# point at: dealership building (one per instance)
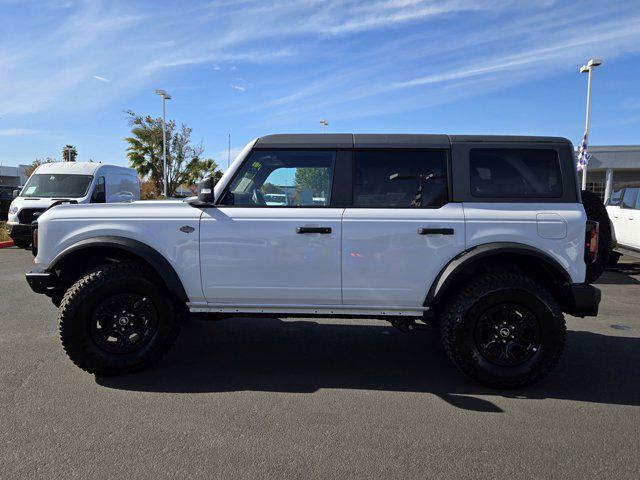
(12, 176)
(612, 167)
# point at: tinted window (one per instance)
(515, 173)
(283, 179)
(400, 178)
(629, 198)
(615, 198)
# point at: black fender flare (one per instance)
(155, 259)
(449, 273)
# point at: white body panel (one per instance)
(625, 223)
(155, 223)
(557, 229)
(384, 259)
(255, 256)
(121, 185)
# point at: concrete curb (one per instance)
(6, 244)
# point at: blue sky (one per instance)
(69, 70)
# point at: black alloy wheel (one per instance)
(123, 323)
(507, 335)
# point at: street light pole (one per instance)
(165, 96)
(588, 68)
(324, 124)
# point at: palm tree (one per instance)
(145, 146)
(69, 153)
(184, 162)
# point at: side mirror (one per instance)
(16, 192)
(205, 191)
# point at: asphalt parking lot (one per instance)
(266, 398)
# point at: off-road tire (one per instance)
(459, 319)
(83, 297)
(595, 210)
(23, 244)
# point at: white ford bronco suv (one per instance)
(482, 236)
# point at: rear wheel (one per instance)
(503, 330)
(595, 210)
(114, 320)
(24, 244)
(614, 258)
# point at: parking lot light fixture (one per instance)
(165, 96)
(588, 68)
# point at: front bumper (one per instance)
(19, 231)
(582, 300)
(42, 281)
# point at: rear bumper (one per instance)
(19, 231)
(583, 300)
(42, 281)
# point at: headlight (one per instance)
(13, 209)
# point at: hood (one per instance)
(35, 202)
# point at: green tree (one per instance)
(314, 179)
(69, 153)
(35, 164)
(271, 188)
(184, 162)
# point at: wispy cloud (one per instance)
(17, 132)
(352, 57)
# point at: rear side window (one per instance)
(629, 198)
(400, 178)
(515, 173)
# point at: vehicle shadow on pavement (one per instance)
(621, 274)
(268, 354)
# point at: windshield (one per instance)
(58, 185)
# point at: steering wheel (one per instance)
(258, 198)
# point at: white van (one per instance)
(80, 182)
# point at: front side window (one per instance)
(284, 178)
(615, 198)
(515, 173)
(57, 185)
(400, 178)
(630, 197)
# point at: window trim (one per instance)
(449, 183)
(225, 192)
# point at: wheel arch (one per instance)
(85, 254)
(502, 256)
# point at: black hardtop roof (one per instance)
(383, 140)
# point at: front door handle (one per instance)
(435, 231)
(323, 230)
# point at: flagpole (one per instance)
(586, 128)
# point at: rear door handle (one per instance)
(435, 231)
(323, 230)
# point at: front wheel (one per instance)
(503, 330)
(114, 320)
